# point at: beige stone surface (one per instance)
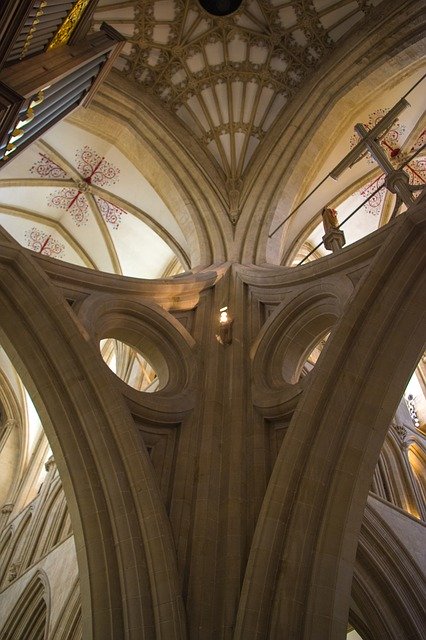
(233, 502)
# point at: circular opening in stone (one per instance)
(313, 356)
(220, 7)
(130, 365)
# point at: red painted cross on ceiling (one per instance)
(94, 170)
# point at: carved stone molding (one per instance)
(50, 464)
(13, 571)
(7, 508)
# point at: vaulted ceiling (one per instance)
(73, 196)
(124, 186)
(228, 78)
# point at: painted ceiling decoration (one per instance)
(228, 78)
(73, 196)
(380, 203)
(93, 170)
(402, 144)
(391, 142)
(44, 167)
(375, 189)
(391, 138)
(374, 205)
(416, 168)
(41, 242)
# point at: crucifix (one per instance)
(397, 181)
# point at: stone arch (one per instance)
(46, 526)
(157, 335)
(17, 543)
(396, 477)
(281, 166)
(4, 544)
(289, 335)
(332, 446)
(13, 442)
(88, 426)
(29, 618)
(388, 588)
(61, 528)
(417, 460)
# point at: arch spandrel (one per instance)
(294, 328)
(31, 614)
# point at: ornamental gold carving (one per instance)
(67, 27)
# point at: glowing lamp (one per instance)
(223, 317)
(225, 327)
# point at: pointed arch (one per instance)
(388, 587)
(29, 618)
(321, 479)
(48, 526)
(394, 479)
(17, 541)
(417, 459)
(275, 177)
(13, 440)
(4, 544)
(69, 625)
(181, 172)
(90, 429)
